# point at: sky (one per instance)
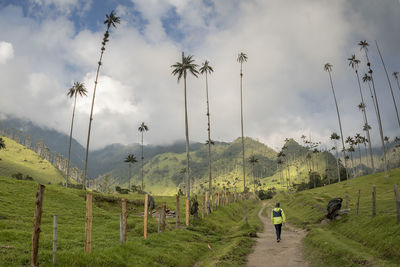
(47, 45)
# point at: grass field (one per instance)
(224, 230)
(16, 158)
(355, 239)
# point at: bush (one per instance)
(266, 194)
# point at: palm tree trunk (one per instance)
(129, 180)
(366, 122)
(209, 140)
(187, 140)
(241, 120)
(340, 124)
(91, 119)
(142, 163)
(379, 120)
(390, 85)
(70, 142)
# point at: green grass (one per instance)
(224, 230)
(19, 159)
(355, 239)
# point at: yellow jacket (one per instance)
(277, 216)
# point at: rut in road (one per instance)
(267, 252)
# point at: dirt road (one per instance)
(267, 252)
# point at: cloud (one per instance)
(6, 52)
(285, 91)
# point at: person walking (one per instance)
(278, 218)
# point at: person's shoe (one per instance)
(278, 240)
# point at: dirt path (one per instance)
(268, 252)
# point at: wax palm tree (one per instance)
(2, 144)
(335, 137)
(130, 159)
(253, 160)
(328, 68)
(207, 69)
(390, 84)
(350, 141)
(142, 128)
(181, 69)
(242, 57)
(396, 77)
(364, 46)
(353, 62)
(77, 89)
(358, 141)
(111, 20)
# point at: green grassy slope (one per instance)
(225, 231)
(17, 158)
(355, 239)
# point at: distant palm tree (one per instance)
(142, 128)
(350, 141)
(2, 144)
(390, 84)
(111, 20)
(387, 139)
(253, 160)
(130, 159)
(77, 89)
(328, 68)
(358, 141)
(353, 62)
(364, 46)
(181, 69)
(335, 137)
(207, 69)
(242, 57)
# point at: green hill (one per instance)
(16, 158)
(355, 239)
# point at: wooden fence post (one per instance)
(203, 208)
(37, 218)
(146, 203)
(121, 231)
(88, 224)
(54, 240)
(396, 195)
(177, 212)
(124, 220)
(373, 201)
(358, 201)
(187, 212)
(163, 216)
(245, 214)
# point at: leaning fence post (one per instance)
(163, 216)
(396, 195)
(358, 201)
(88, 224)
(373, 201)
(177, 212)
(37, 218)
(54, 240)
(146, 203)
(245, 214)
(124, 220)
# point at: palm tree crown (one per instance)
(111, 20)
(364, 45)
(242, 57)
(328, 67)
(130, 159)
(181, 68)
(396, 75)
(206, 68)
(143, 127)
(353, 62)
(77, 89)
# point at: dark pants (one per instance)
(278, 229)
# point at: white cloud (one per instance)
(6, 52)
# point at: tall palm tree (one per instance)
(142, 128)
(390, 84)
(111, 20)
(207, 69)
(242, 57)
(77, 89)
(181, 69)
(328, 68)
(396, 77)
(335, 137)
(353, 62)
(253, 160)
(130, 159)
(364, 46)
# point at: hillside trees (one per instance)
(207, 69)
(2, 144)
(77, 89)
(335, 137)
(142, 128)
(111, 20)
(242, 57)
(181, 69)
